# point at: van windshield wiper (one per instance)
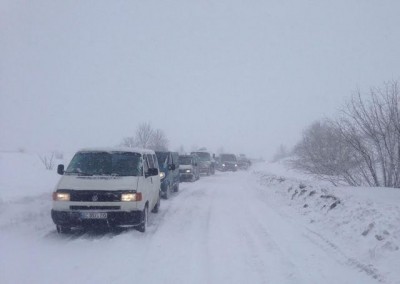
(78, 173)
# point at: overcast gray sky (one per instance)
(243, 75)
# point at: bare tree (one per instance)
(144, 134)
(128, 142)
(372, 126)
(323, 152)
(146, 137)
(159, 141)
(362, 146)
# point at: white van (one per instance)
(113, 187)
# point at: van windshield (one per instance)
(106, 163)
(185, 160)
(228, 158)
(203, 156)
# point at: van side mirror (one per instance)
(152, 172)
(172, 167)
(60, 169)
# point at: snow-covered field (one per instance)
(266, 225)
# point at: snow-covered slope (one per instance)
(229, 228)
(362, 223)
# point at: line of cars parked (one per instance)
(118, 187)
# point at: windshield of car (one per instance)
(203, 156)
(228, 158)
(105, 163)
(185, 160)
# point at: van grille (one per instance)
(94, 195)
(74, 207)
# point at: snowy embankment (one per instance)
(360, 223)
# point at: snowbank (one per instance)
(361, 223)
(23, 175)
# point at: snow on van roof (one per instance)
(117, 149)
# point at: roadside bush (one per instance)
(361, 147)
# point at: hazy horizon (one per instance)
(247, 76)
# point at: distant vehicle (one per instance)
(169, 172)
(243, 162)
(228, 162)
(107, 187)
(189, 168)
(206, 161)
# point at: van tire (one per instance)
(167, 193)
(143, 220)
(63, 229)
(157, 206)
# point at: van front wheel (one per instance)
(157, 206)
(167, 193)
(143, 220)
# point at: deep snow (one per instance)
(229, 228)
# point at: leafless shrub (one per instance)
(323, 152)
(48, 160)
(159, 141)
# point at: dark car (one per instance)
(169, 172)
(189, 168)
(243, 162)
(227, 162)
(206, 162)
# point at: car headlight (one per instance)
(162, 175)
(223, 165)
(188, 171)
(61, 196)
(126, 197)
(235, 165)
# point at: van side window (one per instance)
(145, 163)
(150, 160)
(155, 161)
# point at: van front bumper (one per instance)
(114, 219)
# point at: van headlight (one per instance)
(126, 197)
(61, 196)
(188, 171)
(162, 175)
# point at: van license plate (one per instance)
(94, 215)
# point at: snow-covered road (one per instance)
(221, 229)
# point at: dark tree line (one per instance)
(361, 146)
